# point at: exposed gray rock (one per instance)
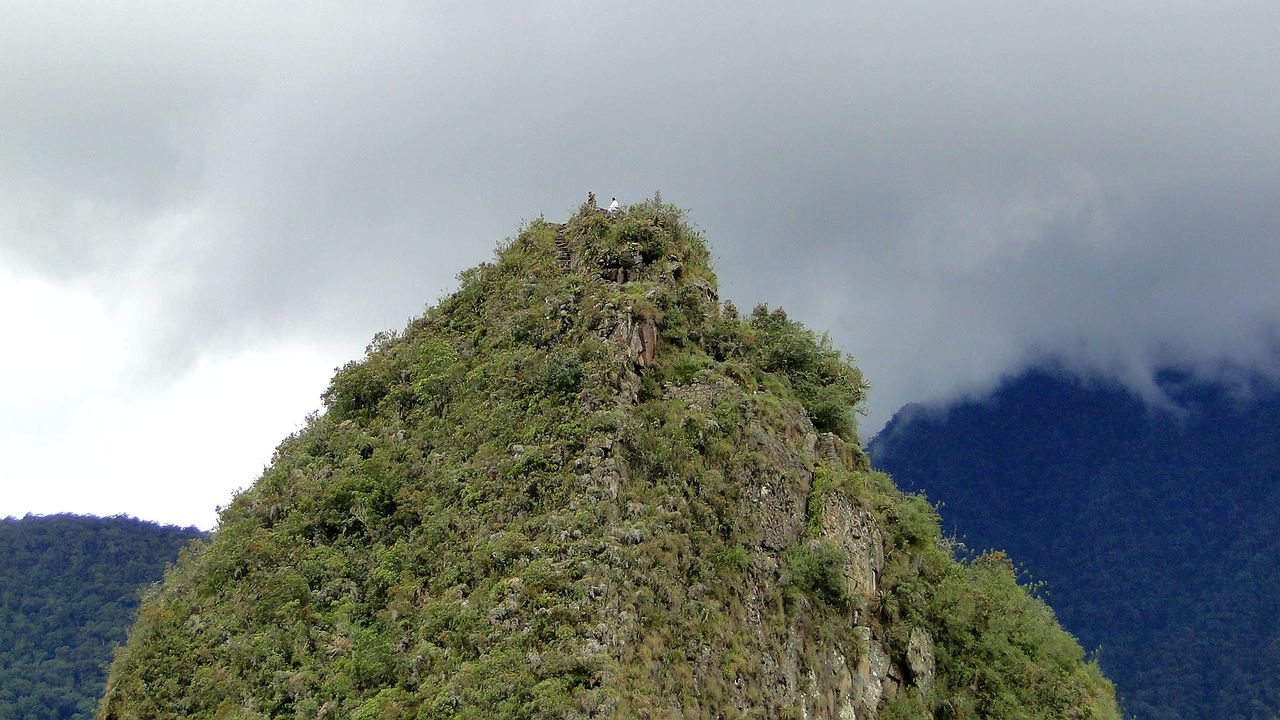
(920, 658)
(853, 529)
(871, 672)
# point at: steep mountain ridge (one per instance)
(581, 487)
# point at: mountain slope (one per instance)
(1153, 531)
(580, 487)
(69, 586)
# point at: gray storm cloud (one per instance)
(954, 191)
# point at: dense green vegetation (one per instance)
(582, 487)
(69, 587)
(1153, 531)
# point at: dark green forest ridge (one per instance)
(1155, 533)
(582, 487)
(69, 587)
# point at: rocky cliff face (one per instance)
(582, 487)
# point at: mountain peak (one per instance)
(583, 487)
(645, 242)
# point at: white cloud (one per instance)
(82, 432)
(952, 191)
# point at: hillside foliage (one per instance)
(554, 495)
(69, 587)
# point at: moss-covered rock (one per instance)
(581, 487)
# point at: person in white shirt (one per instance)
(614, 208)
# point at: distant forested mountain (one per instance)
(69, 587)
(1155, 532)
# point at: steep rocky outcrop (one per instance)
(582, 487)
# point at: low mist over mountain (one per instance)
(1154, 529)
(225, 200)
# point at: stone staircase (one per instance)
(564, 256)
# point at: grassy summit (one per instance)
(581, 487)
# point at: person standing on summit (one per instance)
(614, 208)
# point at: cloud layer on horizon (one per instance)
(953, 192)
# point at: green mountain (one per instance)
(1154, 531)
(69, 587)
(583, 487)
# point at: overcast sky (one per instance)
(205, 208)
